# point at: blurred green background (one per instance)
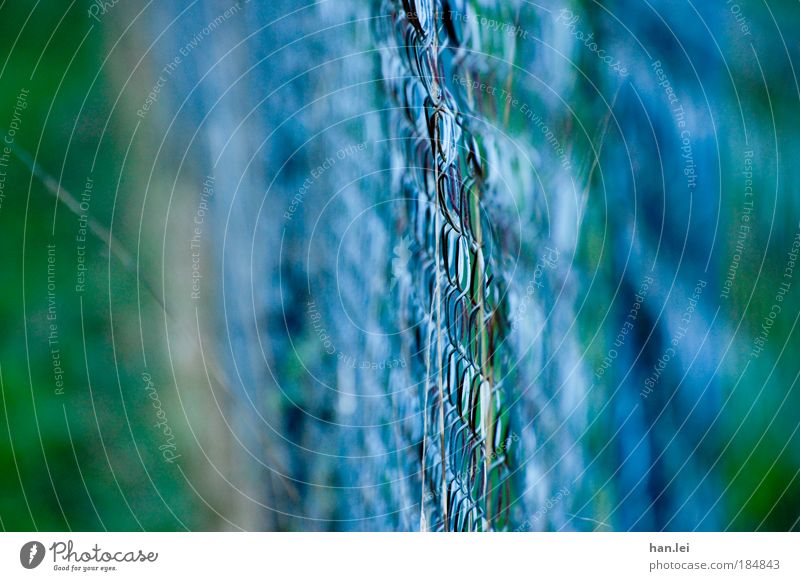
(84, 456)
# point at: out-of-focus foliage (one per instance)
(79, 449)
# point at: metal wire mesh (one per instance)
(455, 295)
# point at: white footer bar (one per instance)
(408, 556)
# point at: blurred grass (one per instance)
(87, 459)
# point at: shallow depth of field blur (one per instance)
(188, 345)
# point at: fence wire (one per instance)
(455, 293)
